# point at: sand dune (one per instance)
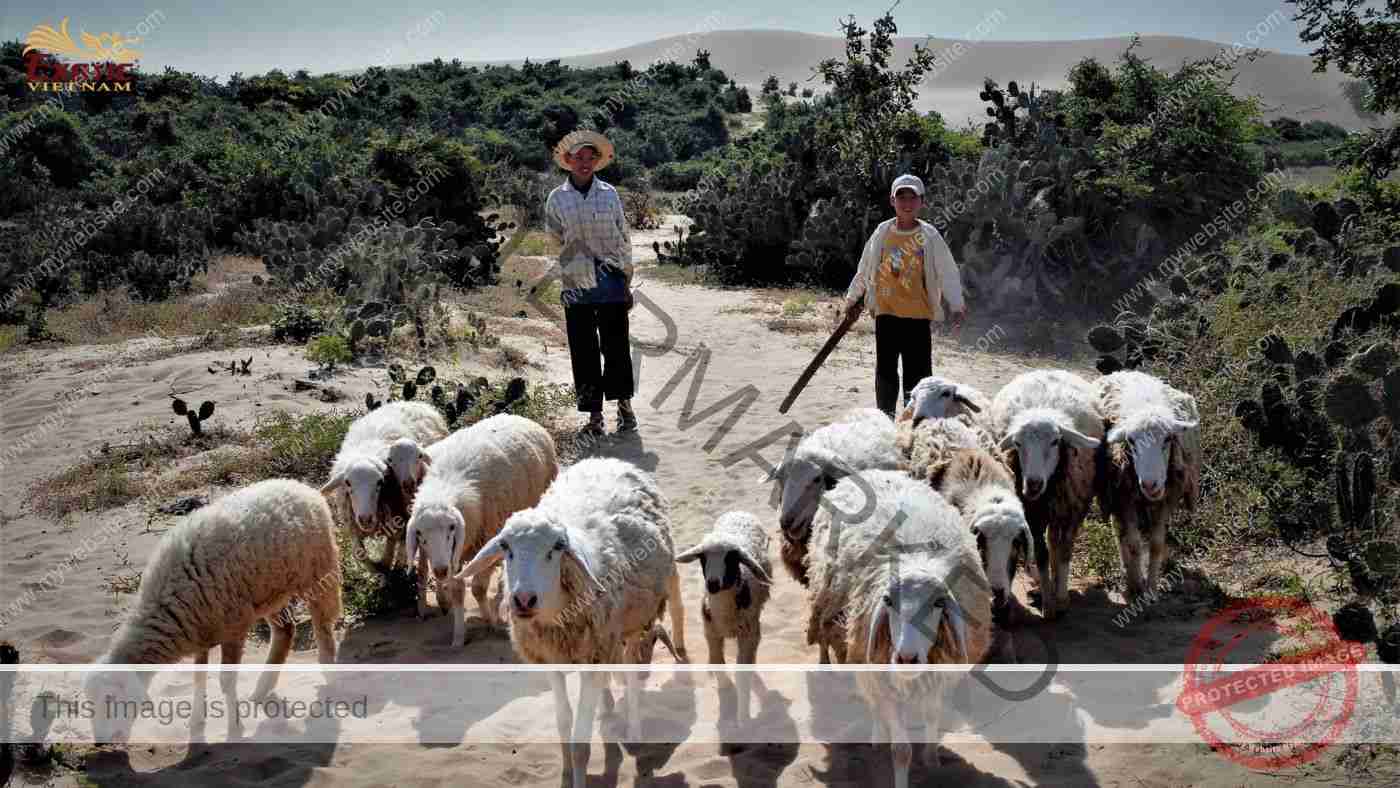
(1285, 83)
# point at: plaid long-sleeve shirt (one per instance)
(591, 228)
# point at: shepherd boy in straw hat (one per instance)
(905, 271)
(584, 214)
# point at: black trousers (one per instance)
(899, 338)
(592, 328)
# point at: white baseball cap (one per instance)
(907, 181)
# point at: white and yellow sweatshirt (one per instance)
(895, 276)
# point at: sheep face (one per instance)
(1038, 440)
(920, 620)
(409, 464)
(362, 481)
(110, 691)
(1003, 537)
(1148, 437)
(440, 531)
(936, 398)
(535, 548)
(720, 564)
(803, 482)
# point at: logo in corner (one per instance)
(100, 64)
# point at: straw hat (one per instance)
(580, 138)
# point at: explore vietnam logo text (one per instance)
(103, 63)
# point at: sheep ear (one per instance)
(459, 537)
(485, 558)
(748, 560)
(583, 555)
(1078, 439)
(967, 403)
(691, 555)
(332, 483)
(872, 636)
(957, 625)
(659, 632)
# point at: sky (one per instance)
(331, 35)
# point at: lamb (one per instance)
(477, 478)
(862, 439)
(905, 587)
(377, 470)
(590, 569)
(1048, 425)
(734, 559)
(1151, 466)
(241, 558)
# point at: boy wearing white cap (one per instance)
(905, 271)
(584, 214)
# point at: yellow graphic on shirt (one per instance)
(899, 280)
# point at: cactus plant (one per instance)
(196, 419)
(1355, 623)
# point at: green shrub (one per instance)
(329, 350)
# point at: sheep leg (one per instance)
(677, 608)
(634, 706)
(563, 717)
(838, 650)
(1130, 549)
(456, 593)
(715, 642)
(231, 653)
(325, 608)
(1064, 550)
(1042, 573)
(282, 631)
(423, 575)
(825, 655)
(481, 583)
(201, 697)
(901, 751)
(1157, 551)
(748, 655)
(933, 717)
(589, 686)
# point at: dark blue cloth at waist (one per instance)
(610, 288)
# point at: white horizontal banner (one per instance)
(437, 704)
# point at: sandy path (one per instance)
(688, 458)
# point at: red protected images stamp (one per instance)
(1272, 735)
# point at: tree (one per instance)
(792, 89)
(1362, 41)
(770, 85)
(702, 59)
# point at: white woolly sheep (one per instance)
(381, 461)
(733, 557)
(905, 587)
(589, 570)
(1048, 426)
(980, 486)
(862, 439)
(940, 398)
(477, 478)
(1152, 466)
(934, 439)
(239, 559)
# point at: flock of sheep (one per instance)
(963, 487)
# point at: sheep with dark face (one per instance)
(1152, 466)
(734, 559)
(1048, 425)
(863, 439)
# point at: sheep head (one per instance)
(547, 562)
(805, 477)
(112, 690)
(409, 463)
(440, 531)
(1003, 536)
(1039, 436)
(362, 480)
(937, 398)
(917, 620)
(720, 562)
(1148, 435)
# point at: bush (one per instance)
(329, 350)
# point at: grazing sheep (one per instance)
(1048, 425)
(241, 558)
(905, 587)
(734, 559)
(1152, 466)
(590, 569)
(379, 466)
(862, 439)
(980, 486)
(477, 478)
